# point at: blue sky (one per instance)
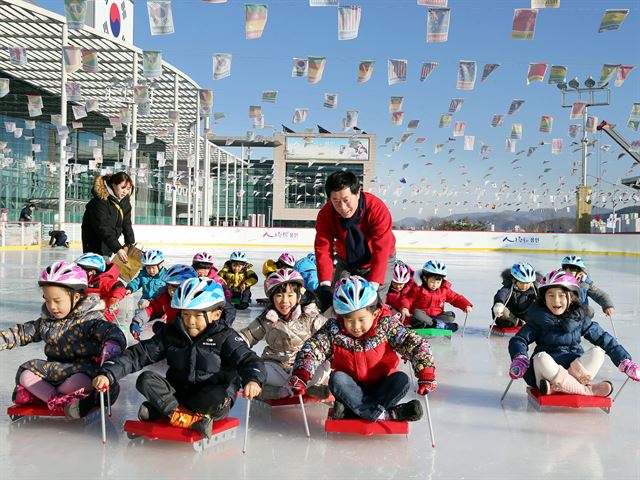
(480, 31)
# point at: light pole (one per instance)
(590, 91)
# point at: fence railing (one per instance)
(20, 234)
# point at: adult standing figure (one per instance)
(107, 216)
(353, 233)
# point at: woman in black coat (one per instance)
(108, 215)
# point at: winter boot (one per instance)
(270, 392)
(148, 413)
(319, 391)
(406, 412)
(602, 389)
(545, 387)
(183, 418)
(222, 411)
(22, 396)
(563, 382)
(60, 401)
(453, 326)
(577, 371)
(339, 410)
(204, 426)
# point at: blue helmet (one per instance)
(574, 261)
(198, 294)
(92, 261)
(435, 267)
(177, 274)
(353, 293)
(523, 272)
(238, 256)
(152, 257)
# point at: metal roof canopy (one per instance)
(40, 32)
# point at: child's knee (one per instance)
(545, 365)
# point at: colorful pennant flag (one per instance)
(438, 24)
(330, 100)
(76, 12)
(433, 3)
(35, 102)
(365, 69)
(206, 102)
(351, 119)
(79, 112)
(445, 120)
(427, 69)
(607, 73)
(221, 65)
(577, 110)
(545, 3)
(348, 22)
(74, 92)
(497, 121)
(396, 71)
(255, 20)
(397, 118)
(4, 87)
(524, 23)
(536, 72)
(72, 58)
(516, 131)
(456, 105)
(592, 123)
(556, 146)
(151, 63)
(255, 111)
(469, 142)
(546, 123)
(92, 105)
(557, 74)
(396, 104)
(413, 124)
(89, 60)
(515, 106)
(300, 67)
(438, 148)
(269, 96)
(612, 19)
(633, 125)
(488, 69)
(466, 75)
(300, 115)
(160, 17)
(258, 122)
(510, 145)
(623, 73)
(316, 69)
(635, 111)
(18, 55)
(574, 130)
(140, 94)
(324, 3)
(458, 128)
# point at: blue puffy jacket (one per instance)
(150, 285)
(560, 336)
(307, 268)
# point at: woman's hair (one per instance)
(282, 288)
(118, 178)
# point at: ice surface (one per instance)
(476, 436)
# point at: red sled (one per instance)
(569, 400)
(222, 431)
(359, 426)
(17, 412)
(502, 331)
(289, 401)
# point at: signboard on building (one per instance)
(112, 17)
(326, 148)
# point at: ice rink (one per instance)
(477, 437)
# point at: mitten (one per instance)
(498, 310)
(427, 381)
(630, 367)
(297, 386)
(519, 367)
(325, 296)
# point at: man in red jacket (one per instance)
(353, 233)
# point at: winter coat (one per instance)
(26, 214)
(234, 280)
(516, 301)
(284, 337)
(410, 290)
(269, 267)
(215, 356)
(432, 303)
(105, 219)
(150, 285)
(589, 289)
(108, 285)
(72, 345)
(307, 268)
(331, 238)
(367, 359)
(560, 337)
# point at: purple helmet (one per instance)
(279, 277)
(64, 274)
(203, 257)
(288, 259)
(401, 272)
(559, 278)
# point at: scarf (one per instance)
(358, 253)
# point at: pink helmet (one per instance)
(401, 272)
(288, 259)
(203, 257)
(279, 277)
(559, 278)
(65, 274)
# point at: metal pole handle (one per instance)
(304, 416)
(506, 390)
(246, 426)
(433, 438)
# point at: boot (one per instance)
(563, 382)
(22, 396)
(453, 326)
(183, 418)
(148, 413)
(602, 389)
(60, 401)
(203, 426)
(339, 410)
(222, 411)
(319, 391)
(407, 412)
(577, 371)
(269, 392)
(545, 387)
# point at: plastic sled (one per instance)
(359, 426)
(262, 301)
(295, 401)
(161, 430)
(18, 412)
(502, 331)
(568, 400)
(433, 332)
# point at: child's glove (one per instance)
(297, 386)
(110, 349)
(498, 310)
(136, 329)
(325, 296)
(143, 303)
(427, 381)
(630, 367)
(519, 366)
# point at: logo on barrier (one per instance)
(521, 240)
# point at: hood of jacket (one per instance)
(102, 190)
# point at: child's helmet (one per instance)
(198, 294)
(559, 278)
(203, 257)
(177, 274)
(152, 257)
(64, 274)
(288, 259)
(523, 272)
(401, 272)
(238, 256)
(574, 261)
(279, 277)
(435, 267)
(354, 293)
(92, 261)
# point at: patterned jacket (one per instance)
(150, 285)
(367, 359)
(234, 280)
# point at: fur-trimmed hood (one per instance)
(102, 190)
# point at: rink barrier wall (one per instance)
(247, 237)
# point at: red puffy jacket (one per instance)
(432, 303)
(394, 297)
(108, 286)
(160, 307)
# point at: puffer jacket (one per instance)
(516, 301)
(150, 285)
(109, 287)
(216, 356)
(367, 359)
(395, 297)
(234, 280)
(306, 266)
(560, 336)
(105, 219)
(284, 337)
(432, 303)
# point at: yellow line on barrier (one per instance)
(19, 247)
